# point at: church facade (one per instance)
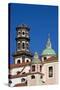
(29, 69)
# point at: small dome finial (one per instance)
(36, 55)
(48, 45)
(48, 35)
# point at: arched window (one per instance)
(18, 62)
(32, 77)
(23, 79)
(50, 71)
(33, 68)
(23, 33)
(27, 60)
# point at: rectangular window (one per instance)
(51, 71)
(33, 68)
(40, 68)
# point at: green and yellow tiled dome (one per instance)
(48, 50)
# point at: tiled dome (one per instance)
(48, 50)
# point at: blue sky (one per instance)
(41, 19)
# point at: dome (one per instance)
(36, 59)
(48, 50)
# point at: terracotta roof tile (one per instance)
(23, 75)
(11, 66)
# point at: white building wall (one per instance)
(46, 78)
(35, 81)
(14, 70)
(17, 81)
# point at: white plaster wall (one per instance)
(36, 81)
(30, 81)
(27, 68)
(17, 81)
(54, 79)
(14, 70)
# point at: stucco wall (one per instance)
(46, 78)
(35, 81)
(17, 81)
(14, 70)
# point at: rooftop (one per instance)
(36, 59)
(48, 50)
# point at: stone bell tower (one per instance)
(22, 54)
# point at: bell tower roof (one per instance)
(22, 26)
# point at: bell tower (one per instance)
(22, 53)
(22, 38)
